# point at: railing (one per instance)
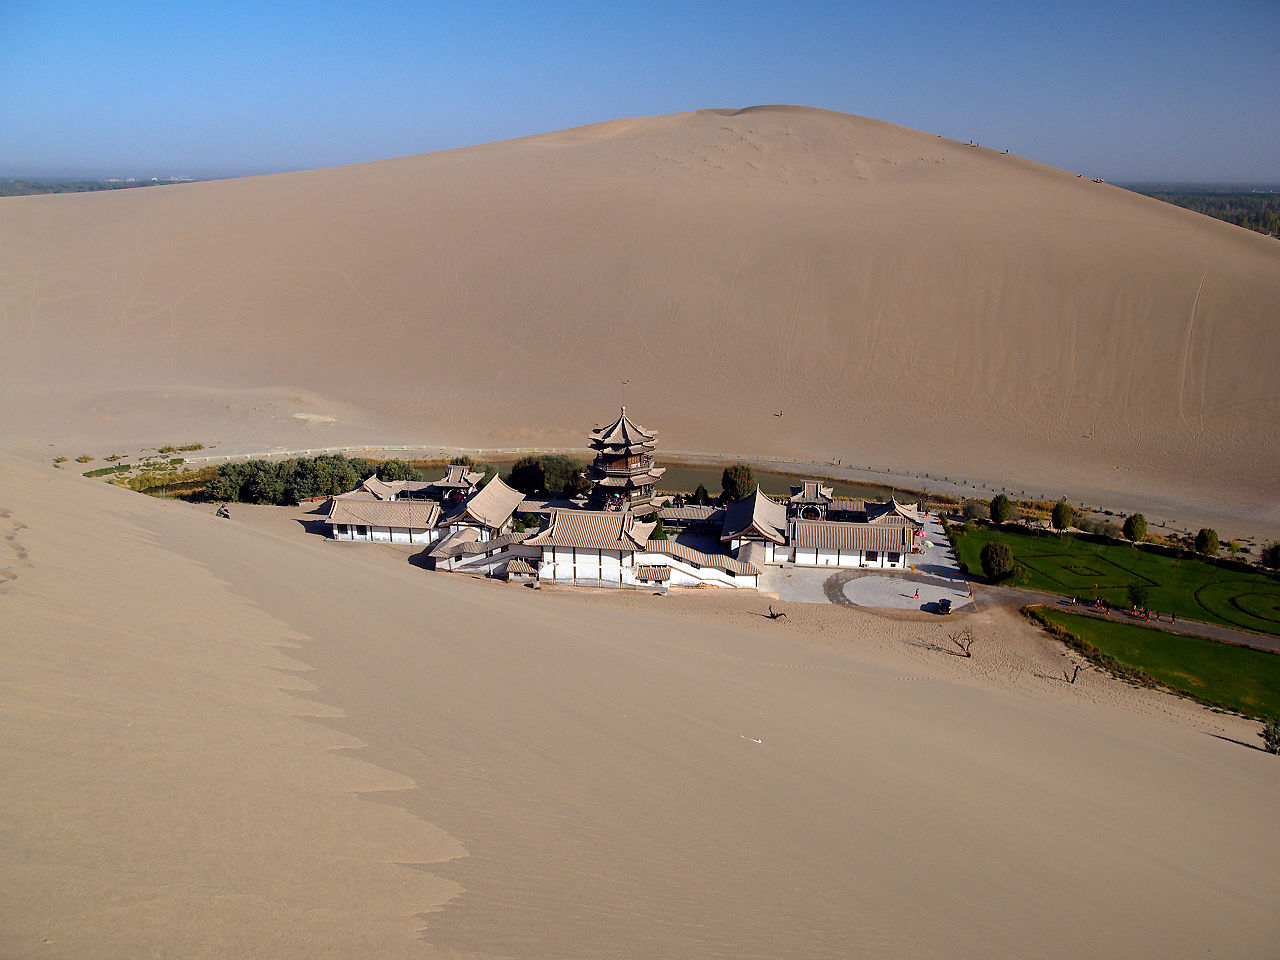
(625, 468)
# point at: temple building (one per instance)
(623, 473)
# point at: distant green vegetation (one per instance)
(1257, 210)
(1186, 586)
(32, 187)
(284, 482)
(104, 471)
(1220, 674)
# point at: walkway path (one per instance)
(1021, 597)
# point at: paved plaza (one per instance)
(933, 576)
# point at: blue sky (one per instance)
(1161, 91)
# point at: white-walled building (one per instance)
(827, 543)
(383, 521)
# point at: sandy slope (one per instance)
(905, 300)
(577, 771)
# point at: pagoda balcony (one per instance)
(624, 468)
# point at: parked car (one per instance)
(944, 606)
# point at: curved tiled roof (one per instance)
(755, 516)
(826, 535)
(491, 505)
(811, 491)
(622, 433)
(593, 530)
(719, 561)
(405, 514)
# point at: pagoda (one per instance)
(623, 472)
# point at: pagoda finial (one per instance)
(624, 409)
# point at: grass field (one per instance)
(1222, 674)
(1189, 588)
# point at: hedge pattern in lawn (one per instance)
(1189, 586)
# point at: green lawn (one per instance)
(1189, 588)
(1238, 678)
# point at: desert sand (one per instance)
(238, 738)
(905, 300)
(226, 738)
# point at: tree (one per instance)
(701, 496)
(396, 469)
(737, 481)
(577, 485)
(659, 531)
(1207, 542)
(1271, 555)
(975, 510)
(1139, 595)
(557, 470)
(527, 475)
(1064, 515)
(997, 560)
(1135, 528)
(267, 484)
(1001, 509)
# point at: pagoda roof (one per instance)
(623, 432)
(653, 475)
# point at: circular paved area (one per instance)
(901, 592)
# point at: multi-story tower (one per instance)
(623, 470)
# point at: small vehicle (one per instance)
(944, 606)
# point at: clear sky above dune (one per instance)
(1168, 91)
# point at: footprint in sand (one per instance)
(11, 538)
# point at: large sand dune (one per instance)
(470, 769)
(904, 299)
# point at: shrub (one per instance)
(1135, 528)
(1270, 735)
(976, 510)
(997, 560)
(1139, 595)
(737, 481)
(527, 475)
(1063, 516)
(1109, 529)
(1001, 509)
(84, 458)
(1271, 555)
(1089, 525)
(700, 496)
(1207, 542)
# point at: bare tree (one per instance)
(963, 641)
(775, 616)
(1070, 676)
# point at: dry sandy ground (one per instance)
(235, 738)
(904, 300)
